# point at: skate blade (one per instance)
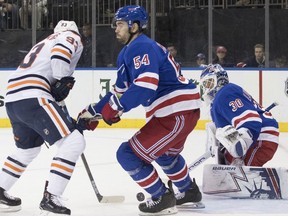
(187, 206)
(48, 213)
(6, 208)
(168, 211)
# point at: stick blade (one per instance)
(112, 199)
(191, 206)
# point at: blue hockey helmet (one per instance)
(212, 79)
(131, 14)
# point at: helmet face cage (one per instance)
(212, 79)
(131, 14)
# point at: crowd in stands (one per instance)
(16, 14)
(223, 58)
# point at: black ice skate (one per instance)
(9, 203)
(52, 204)
(192, 196)
(164, 205)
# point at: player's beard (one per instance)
(122, 38)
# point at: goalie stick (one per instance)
(209, 153)
(100, 197)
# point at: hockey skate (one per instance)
(9, 203)
(193, 197)
(52, 204)
(164, 205)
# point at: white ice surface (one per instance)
(112, 180)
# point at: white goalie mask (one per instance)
(64, 25)
(212, 79)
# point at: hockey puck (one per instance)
(140, 196)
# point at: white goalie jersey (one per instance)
(49, 60)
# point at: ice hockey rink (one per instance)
(112, 180)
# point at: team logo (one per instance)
(286, 87)
(46, 131)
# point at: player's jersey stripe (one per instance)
(149, 180)
(65, 47)
(55, 165)
(27, 88)
(245, 117)
(62, 167)
(59, 123)
(13, 167)
(147, 80)
(150, 154)
(16, 162)
(60, 174)
(29, 76)
(179, 176)
(270, 134)
(174, 102)
(10, 173)
(60, 58)
(70, 163)
(64, 52)
(26, 83)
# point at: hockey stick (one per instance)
(200, 160)
(271, 106)
(209, 153)
(101, 198)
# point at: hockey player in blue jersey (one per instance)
(149, 76)
(248, 132)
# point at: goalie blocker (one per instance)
(245, 182)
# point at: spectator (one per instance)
(8, 9)
(86, 57)
(2, 15)
(221, 57)
(281, 62)
(200, 60)
(174, 52)
(242, 3)
(172, 49)
(26, 9)
(258, 60)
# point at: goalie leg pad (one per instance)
(245, 182)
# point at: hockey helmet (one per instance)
(212, 79)
(131, 14)
(64, 25)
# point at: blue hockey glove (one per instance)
(62, 87)
(112, 111)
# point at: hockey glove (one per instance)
(112, 111)
(88, 118)
(86, 124)
(236, 142)
(62, 87)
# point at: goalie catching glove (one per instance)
(236, 142)
(61, 88)
(88, 119)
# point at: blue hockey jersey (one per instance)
(232, 105)
(149, 76)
